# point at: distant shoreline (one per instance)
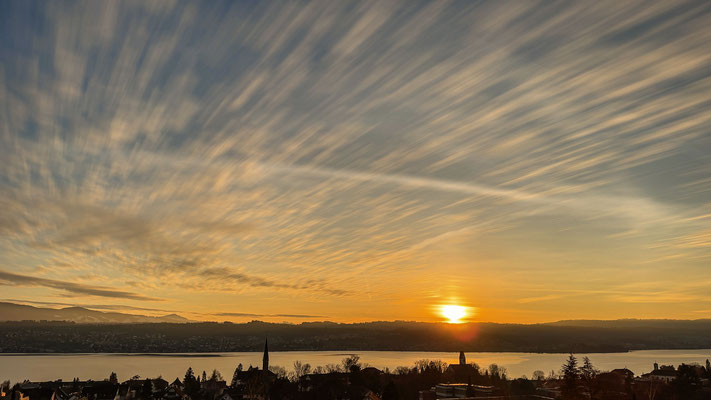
(208, 340)
(344, 353)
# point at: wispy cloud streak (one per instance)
(312, 154)
(9, 278)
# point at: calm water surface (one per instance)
(42, 367)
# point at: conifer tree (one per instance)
(147, 389)
(588, 373)
(191, 384)
(570, 374)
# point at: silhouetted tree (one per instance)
(216, 376)
(147, 389)
(430, 366)
(401, 370)
(538, 375)
(332, 368)
(497, 372)
(350, 361)
(475, 366)
(301, 369)
(588, 373)
(113, 378)
(649, 389)
(234, 378)
(192, 387)
(235, 374)
(279, 371)
(189, 375)
(686, 382)
(254, 386)
(570, 374)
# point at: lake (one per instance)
(44, 367)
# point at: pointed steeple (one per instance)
(265, 358)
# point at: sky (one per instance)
(357, 161)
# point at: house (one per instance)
(253, 374)
(361, 393)
(123, 392)
(624, 372)
(174, 393)
(34, 391)
(62, 394)
(211, 388)
(312, 382)
(99, 390)
(370, 371)
(665, 373)
(230, 393)
(461, 390)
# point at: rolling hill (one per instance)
(20, 312)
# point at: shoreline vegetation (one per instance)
(351, 378)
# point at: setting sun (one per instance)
(454, 313)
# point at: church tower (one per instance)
(462, 358)
(265, 358)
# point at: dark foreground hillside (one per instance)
(594, 336)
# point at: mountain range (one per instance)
(21, 312)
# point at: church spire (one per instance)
(265, 358)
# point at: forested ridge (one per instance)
(565, 336)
